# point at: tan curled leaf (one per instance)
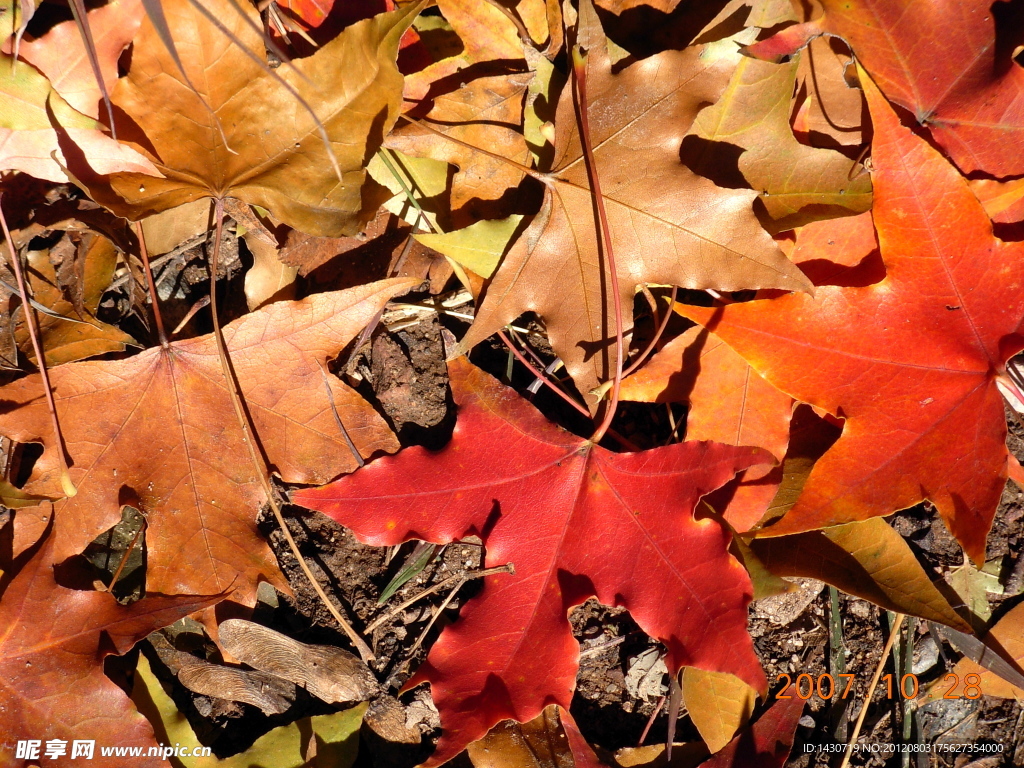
(486, 112)
(275, 156)
(797, 184)
(67, 340)
(867, 559)
(29, 109)
(61, 54)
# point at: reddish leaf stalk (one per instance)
(249, 438)
(657, 335)
(153, 297)
(579, 61)
(540, 374)
(37, 345)
(629, 445)
(127, 553)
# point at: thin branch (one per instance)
(579, 62)
(657, 335)
(897, 623)
(540, 375)
(394, 612)
(153, 297)
(37, 345)
(249, 438)
(127, 552)
(337, 418)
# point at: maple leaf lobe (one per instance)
(276, 157)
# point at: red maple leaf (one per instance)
(910, 362)
(576, 520)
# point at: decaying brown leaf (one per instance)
(158, 431)
(668, 225)
(329, 673)
(275, 157)
(386, 717)
(61, 53)
(486, 34)
(81, 335)
(539, 743)
(867, 559)
(52, 644)
(829, 112)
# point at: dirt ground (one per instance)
(402, 372)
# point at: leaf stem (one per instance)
(540, 374)
(629, 445)
(153, 297)
(37, 346)
(657, 335)
(249, 438)
(579, 64)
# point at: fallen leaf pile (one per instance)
(796, 227)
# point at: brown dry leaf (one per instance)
(619, 6)
(486, 34)
(67, 340)
(383, 247)
(798, 184)
(30, 142)
(61, 54)
(668, 225)
(276, 159)
(539, 743)
(329, 673)
(8, 347)
(166, 231)
(386, 717)
(52, 647)
(381, 238)
(486, 112)
(1007, 635)
(268, 279)
(158, 431)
